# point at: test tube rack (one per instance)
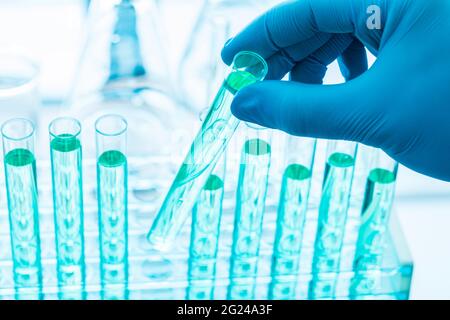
(164, 275)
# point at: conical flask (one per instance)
(123, 71)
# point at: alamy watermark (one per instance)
(373, 22)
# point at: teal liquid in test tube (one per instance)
(209, 144)
(292, 210)
(333, 210)
(375, 215)
(250, 205)
(112, 190)
(205, 231)
(22, 195)
(65, 150)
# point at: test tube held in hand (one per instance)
(206, 149)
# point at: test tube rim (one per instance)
(115, 134)
(59, 136)
(24, 137)
(254, 55)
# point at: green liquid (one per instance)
(378, 199)
(250, 204)
(206, 220)
(206, 149)
(112, 184)
(112, 159)
(65, 143)
(332, 219)
(68, 212)
(238, 80)
(205, 239)
(214, 183)
(22, 194)
(256, 147)
(291, 217)
(21, 158)
(339, 160)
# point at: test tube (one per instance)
(333, 209)
(292, 210)
(22, 195)
(250, 205)
(65, 150)
(205, 231)
(206, 149)
(112, 195)
(375, 215)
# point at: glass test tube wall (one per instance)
(112, 195)
(250, 206)
(217, 130)
(292, 210)
(65, 149)
(205, 231)
(333, 209)
(22, 195)
(375, 215)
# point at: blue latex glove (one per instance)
(402, 104)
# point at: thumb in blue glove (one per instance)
(402, 104)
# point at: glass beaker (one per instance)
(18, 87)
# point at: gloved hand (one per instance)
(402, 104)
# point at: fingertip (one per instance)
(255, 104)
(353, 61)
(243, 105)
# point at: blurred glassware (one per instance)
(200, 71)
(123, 70)
(123, 44)
(86, 4)
(18, 87)
(200, 66)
